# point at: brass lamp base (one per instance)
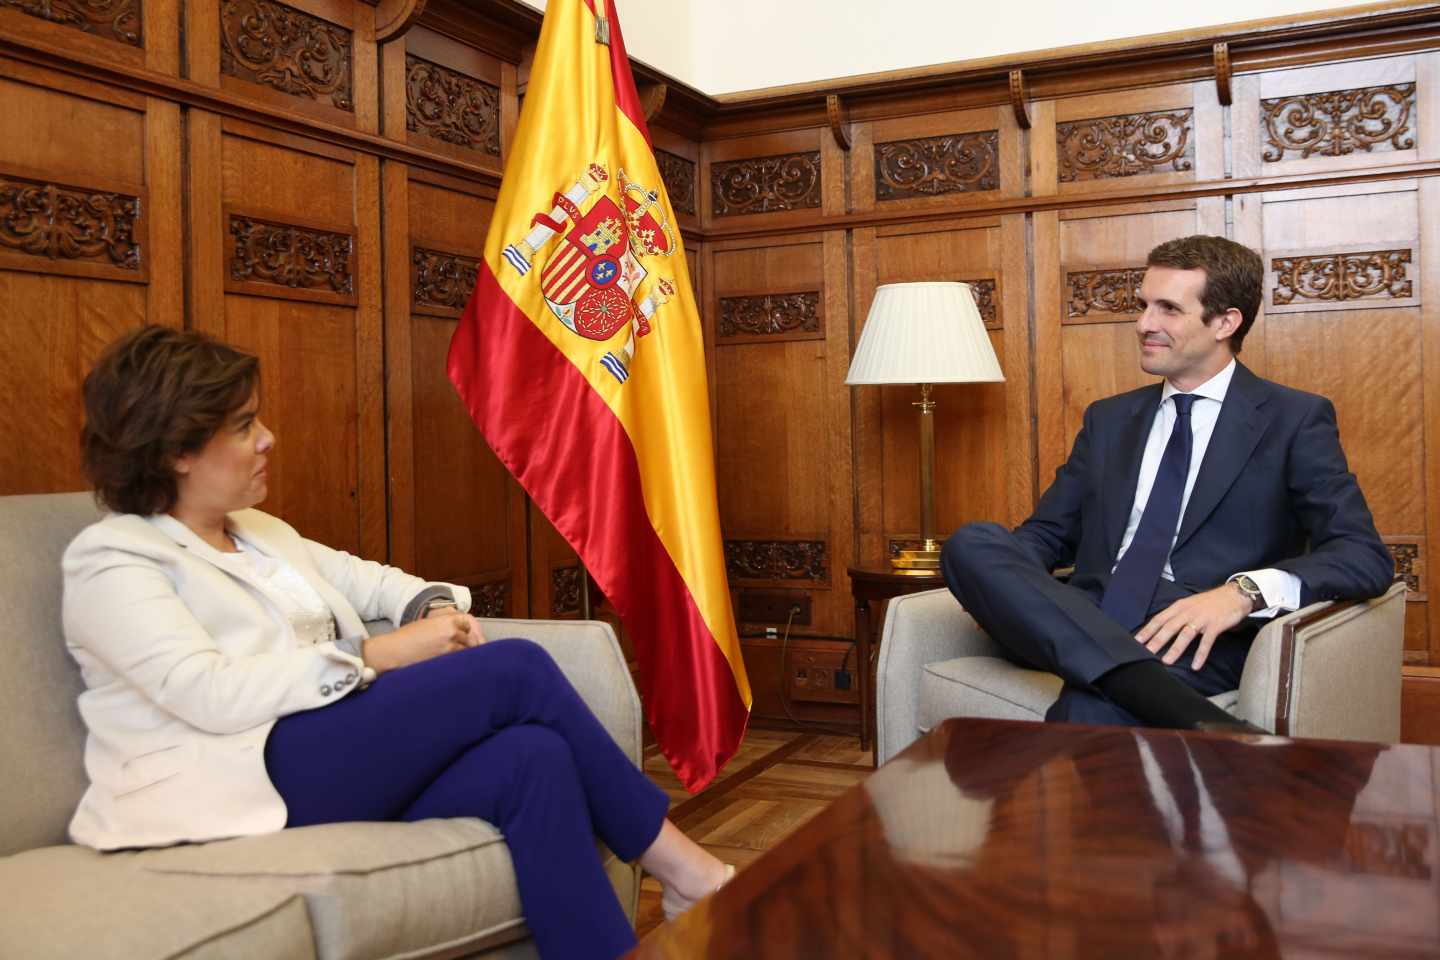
(920, 562)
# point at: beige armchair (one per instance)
(343, 891)
(1328, 670)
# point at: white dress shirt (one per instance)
(1281, 589)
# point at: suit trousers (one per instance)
(1044, 624)
(496, 732)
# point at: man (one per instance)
(1192, 511)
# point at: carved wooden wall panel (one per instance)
(765, 184)
(678, 174)
(456, 513)
(449, 98)
(269, 43)
(932, 166)
(45, 225)
(441, 282)
(770, 316)
(1103, 296)
(782, 436)
(986, 301)
(268, 257)
(80, 166)
(1337, 280)
(447, 105)
(1339, 122)
(1346, 315)
(763, 561)
(1335, 116)
(928, 160)
(284, 239)
(970, 419)
(1099, 148)
(1135, 138)
(119, 20)
(1088, 265)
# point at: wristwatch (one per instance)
(1251, 590)
(439, 603)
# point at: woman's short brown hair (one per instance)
(154, 395)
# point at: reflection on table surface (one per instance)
(1008, 839)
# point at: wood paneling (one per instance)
(1127, 147)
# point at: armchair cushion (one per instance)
(1328, 670)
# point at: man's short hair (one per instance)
(1234, 276)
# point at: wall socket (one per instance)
(811, 675)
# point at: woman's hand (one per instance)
(443, 631)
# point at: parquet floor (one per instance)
(777, 781)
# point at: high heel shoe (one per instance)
(673, 903)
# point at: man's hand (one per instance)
(1202, 617)
(441, 632)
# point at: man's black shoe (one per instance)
(1229, 726)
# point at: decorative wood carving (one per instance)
(269, 43)
(777, 560)
(1409, 556)
(1108, 293)
(490, 599)
(112, 19)
(769, 316)
(984, 293)
(1018, 101)
(300, 258)
(1339, 122)
(441, 283)
(838, 129)
(68, 223)
(1125, 145)
(565, 590)
(1223, 72)
(1322, 278)
(930, 166)
(765, 184)
(678, 175)
(450, 106)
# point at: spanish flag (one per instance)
(581, 360)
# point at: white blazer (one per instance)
(187, 666)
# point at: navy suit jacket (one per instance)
(1274, 490)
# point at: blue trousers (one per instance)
(1044, 624)
(496, 732)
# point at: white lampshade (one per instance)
(924, 333)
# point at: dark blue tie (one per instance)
(1132, 585)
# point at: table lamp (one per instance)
(924, 333)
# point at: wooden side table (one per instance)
(868, 585)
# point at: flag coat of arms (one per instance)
(580, 358)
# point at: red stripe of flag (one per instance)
(572, 455)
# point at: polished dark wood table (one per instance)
(993, 838)
(869, 586)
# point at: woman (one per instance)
(231, 688)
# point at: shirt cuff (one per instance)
(416, 607)
(1280, 588)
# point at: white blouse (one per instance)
(291, 593)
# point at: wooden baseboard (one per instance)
(1420, 705)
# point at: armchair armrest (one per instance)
(920, 628)
(1329, 670)
(590, 658)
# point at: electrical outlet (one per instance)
(819, 675)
